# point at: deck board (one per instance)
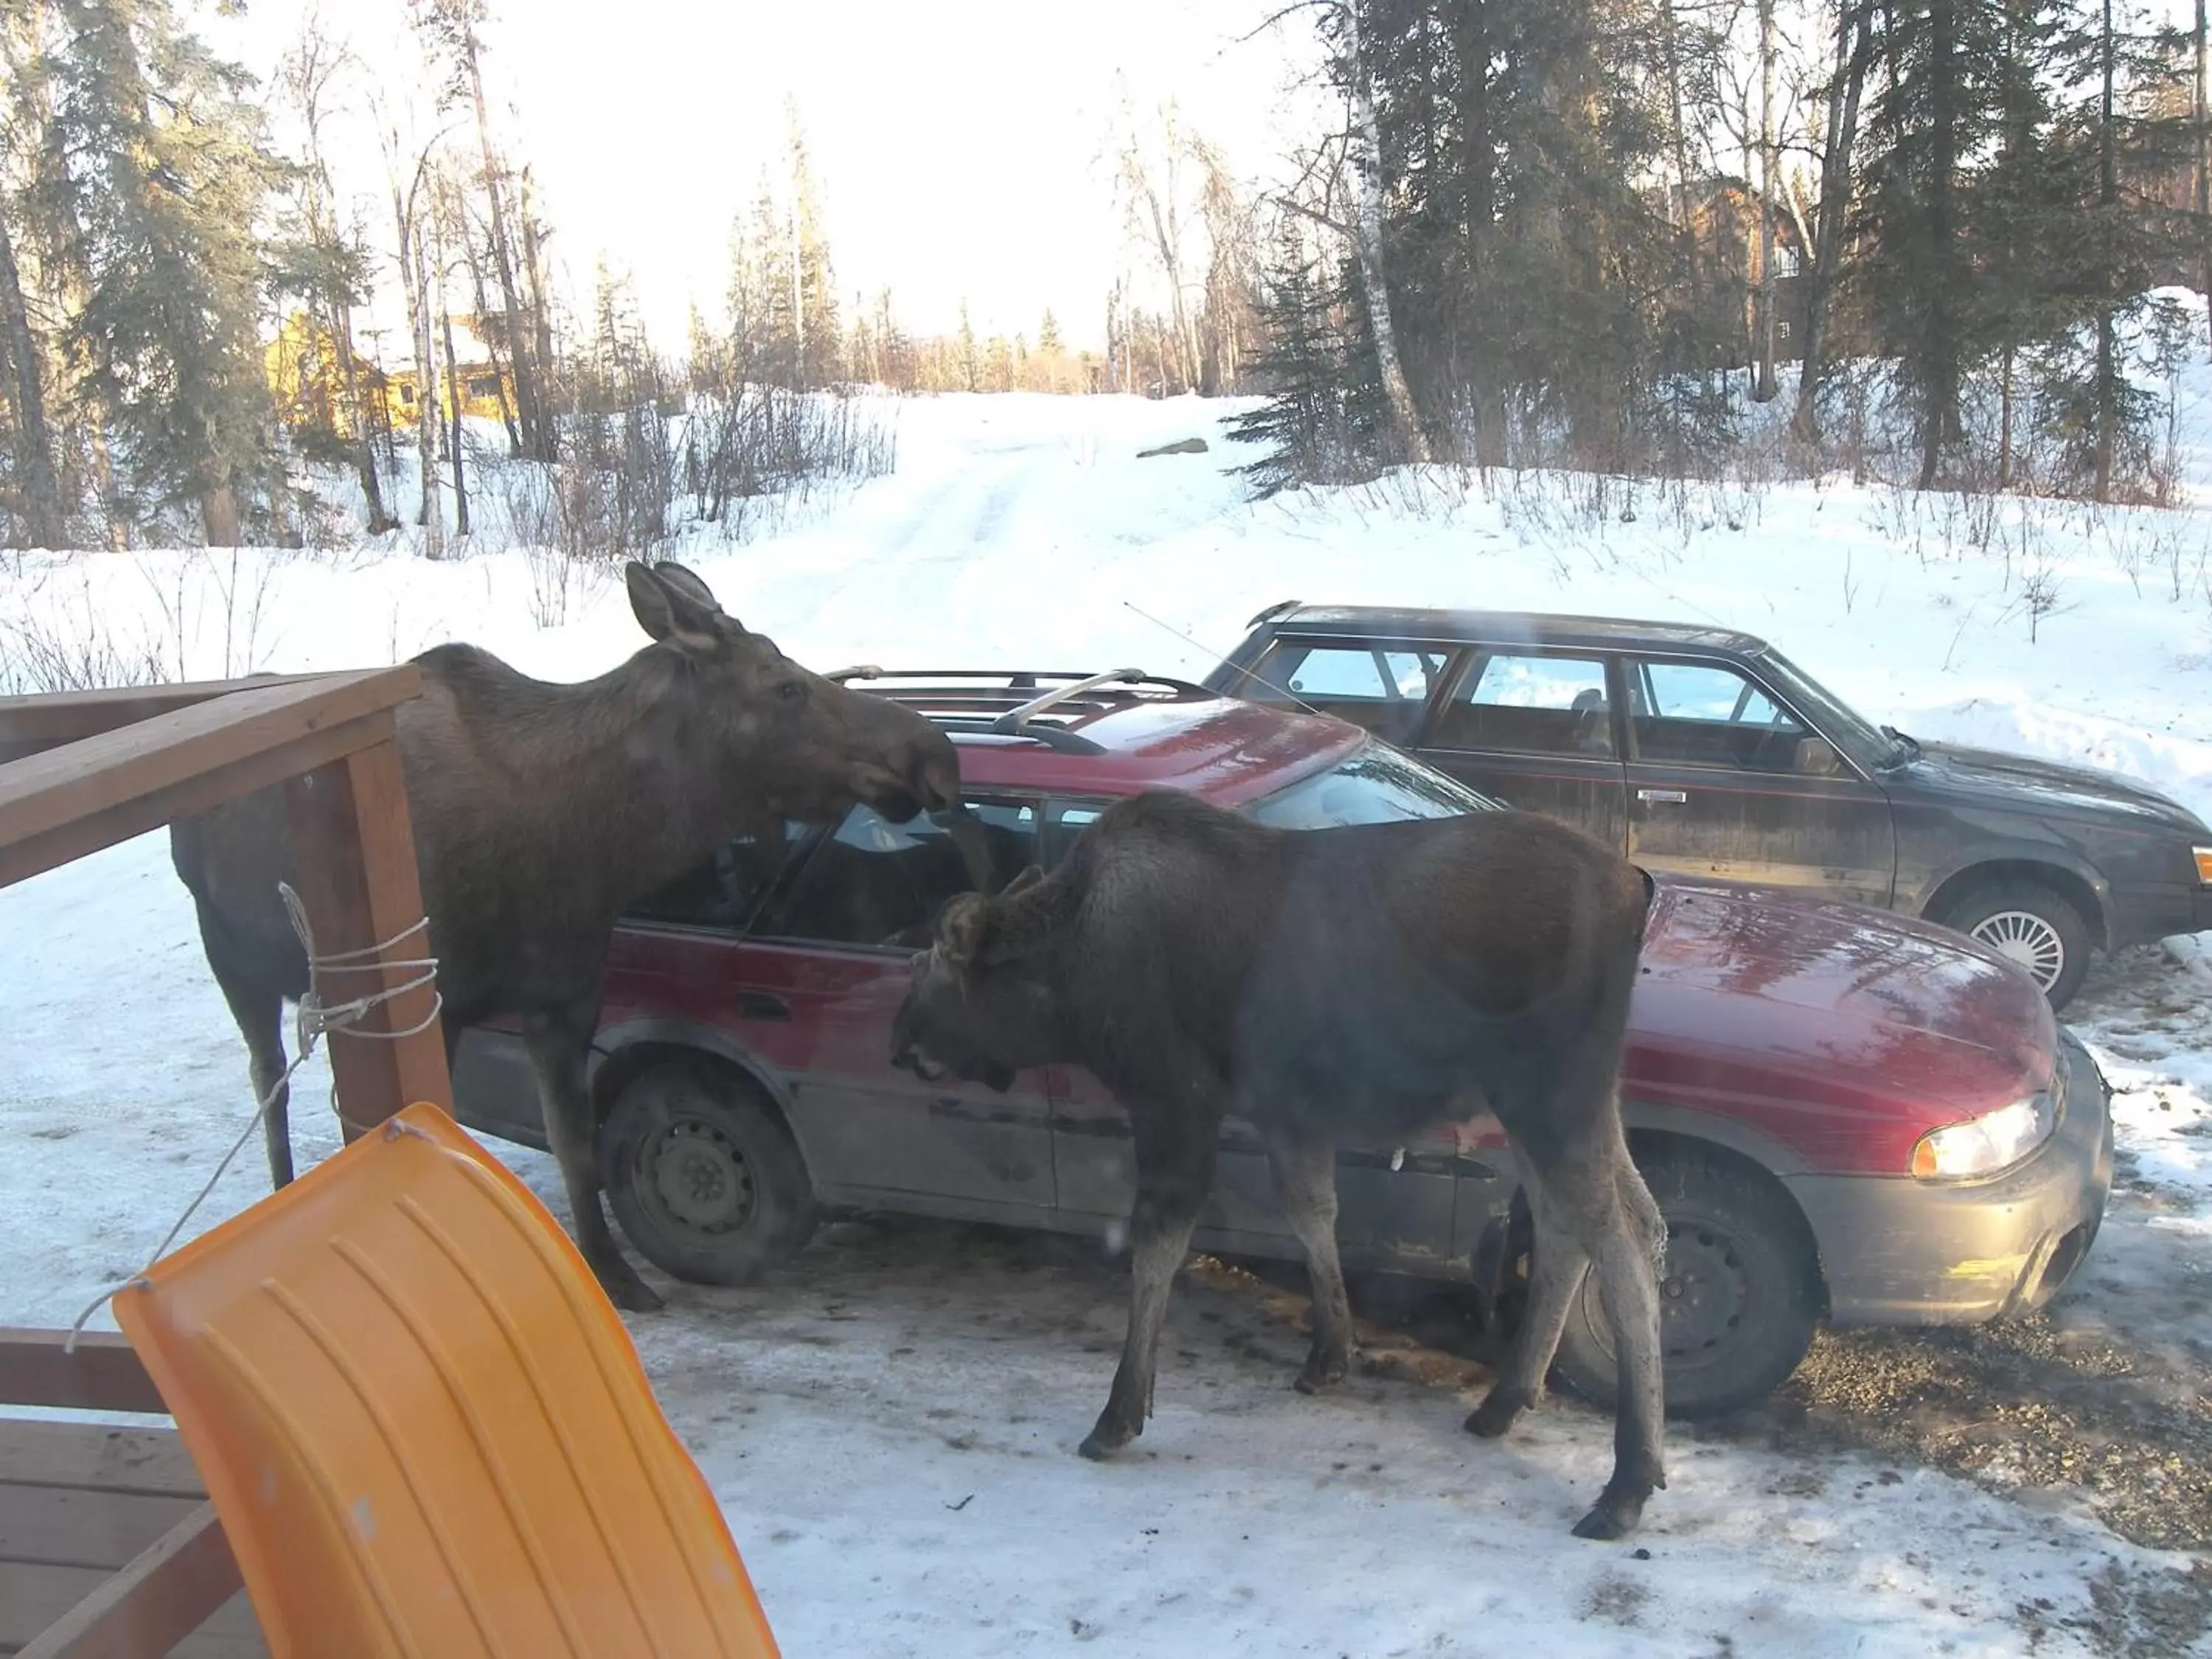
(79, 1500)
(37, 1453)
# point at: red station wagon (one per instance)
(1842, 1114)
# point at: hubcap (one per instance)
(1704, 1290)
(2028, 940)
(1703, 1294)
(701, 1179)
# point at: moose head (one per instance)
(981, 1003)
(793, 744)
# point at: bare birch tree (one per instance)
(1365, 155)
(309, 77)
(406, 171)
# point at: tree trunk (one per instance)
(1470, 24)
(525, 375)
(498, 360)
(1938, 365)
(1764, 388)
(1368, 243)
(412, 275)
(2108, 196)
(43, 519)
(1853, 58)
(1678, 141)
(798, 304)
(219, 514)
(454, 388)
(541, 316)
(2004, 417)
(340, 324)
(2201, 116)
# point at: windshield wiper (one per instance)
(1908, 748)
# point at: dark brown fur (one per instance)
(1359, 984)
(540, 810)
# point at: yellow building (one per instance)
(309, 387)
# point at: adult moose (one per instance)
(540, 810)
(1362, 983)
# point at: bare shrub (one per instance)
(557, 580)
(67, 645)
(744, 442)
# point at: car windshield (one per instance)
(1374, 784)
(1834, 719)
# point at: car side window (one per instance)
(1709, 714)
(1530, 705)
(725, 892)
(877, 883)
(1065, 822)
(1381, 686)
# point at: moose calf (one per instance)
(1359, 983)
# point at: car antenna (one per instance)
(1280, 690)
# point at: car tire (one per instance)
(2032, 924)
(703, 1177)
(1739, 1299)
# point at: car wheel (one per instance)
(1738, 1299)
(703, 1177)
(2034, 926)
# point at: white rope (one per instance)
(317, 1017)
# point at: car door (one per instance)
(1726, 780)
(1094, 1159)
(1382, 686)
(1388, 1198)
(836, 944)
(1536, 729)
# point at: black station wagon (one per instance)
(1707, 753)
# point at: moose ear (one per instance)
(687, 581)
(963, 930)
(1030, 876)
(669, 613)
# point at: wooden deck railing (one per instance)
(83, 771)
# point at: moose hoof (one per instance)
(1321, 1371)
(1498, 1412)
(1609, 1520)
(1103, 1440)
(1615, 1515)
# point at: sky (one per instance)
(963, 148)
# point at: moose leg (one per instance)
(1561, 1262)
(1305, 1184)
(259, 1013)
(559, 1040)
(1628, 1247)
(1175, 1171)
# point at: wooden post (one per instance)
(360, 887)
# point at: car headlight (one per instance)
(1984, 1144)
(2203, 857)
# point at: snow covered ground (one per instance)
(891, 1425)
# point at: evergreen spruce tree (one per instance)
(817, 353)
(2114, 131)
(1939, 108)
(175, 177)
(1308, 421)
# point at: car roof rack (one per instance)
(1043, 705)
(1280, 608)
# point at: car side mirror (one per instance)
(1817, 758)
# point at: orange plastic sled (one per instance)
(424, 1428)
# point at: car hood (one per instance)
(2044, 784)
(1843, 1032)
